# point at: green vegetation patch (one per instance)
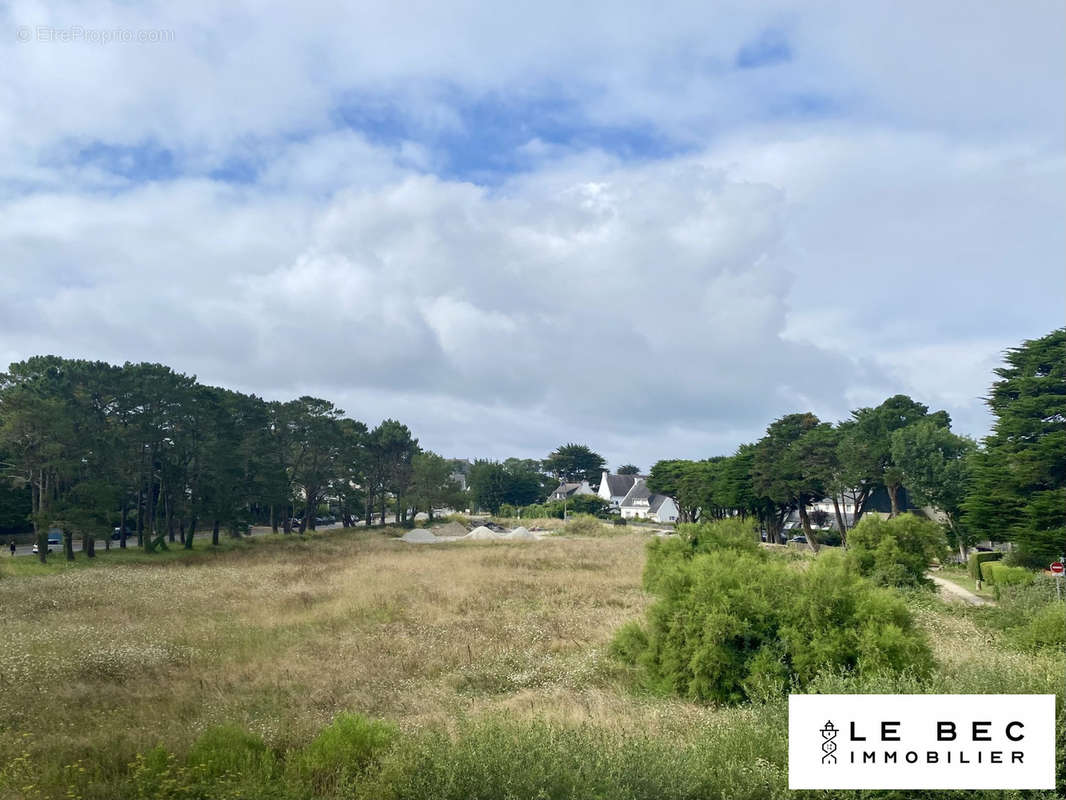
(733, 623)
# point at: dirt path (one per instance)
(954, 589)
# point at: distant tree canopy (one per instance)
(515, 482)
(1019, 476)
(575, 462)
(628, 469)
(1011, 488)
(89, 445)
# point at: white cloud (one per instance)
(651, 306)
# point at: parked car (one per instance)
(37, 549)
(799, 539)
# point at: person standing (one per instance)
(12, 545)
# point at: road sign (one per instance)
(1057, 568)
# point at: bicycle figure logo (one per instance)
(829, 746)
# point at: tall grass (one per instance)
(231, 676)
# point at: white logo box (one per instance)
(1001, 741)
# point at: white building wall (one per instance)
(668, 511)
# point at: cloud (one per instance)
(653, 231)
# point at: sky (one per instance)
(651, 228)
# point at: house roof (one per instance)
(880, 502)
(619, 485)
(655, 501)
(639, 491)
(566, 488)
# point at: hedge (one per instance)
(975, 560)
(998, 574)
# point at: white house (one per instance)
(640, 503)
(614, 488)
(564, 491)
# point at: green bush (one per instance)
(730, 624)
(1029, 614)
(1046, 628)
(976, 559)
(724, 534)
(229, 751)
(584, 525)
(897, 551)
(986, 571)
(343, 752)
(999, 575)
(578, 504)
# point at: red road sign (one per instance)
(1057, 568)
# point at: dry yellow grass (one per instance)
(100, 664)
(283, 637)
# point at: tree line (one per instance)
(1010, 487)
(521, 482)
(87, 446)
(158, 454)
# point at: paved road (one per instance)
(954, 589)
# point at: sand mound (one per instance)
(520, 533)
(481, 532)
(452, 529)
(419, 536)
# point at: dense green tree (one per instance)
(317, 440)
(488, 483)
(865, 450)
(432, 486)
(89, 444)
(1018, 491)
(350, 478)
(675, 478)
(628, 469)
(786, 466)
(936, 469)
(390, 450)
(575, 462)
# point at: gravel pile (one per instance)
(482, 533)
(451, 530)
(520, 533)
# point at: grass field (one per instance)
(278, 636)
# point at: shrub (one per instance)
(976, 559)
(840, 621)
(998, 574)
(1029, 613)
(723, 534)
(986, 571)
(897, 551)
(229, 750)
(343, 751)
(730, 625)
(1046, 628)
(584, 525)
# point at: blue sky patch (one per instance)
(138, 163)
(770, 48)
(487, 137)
